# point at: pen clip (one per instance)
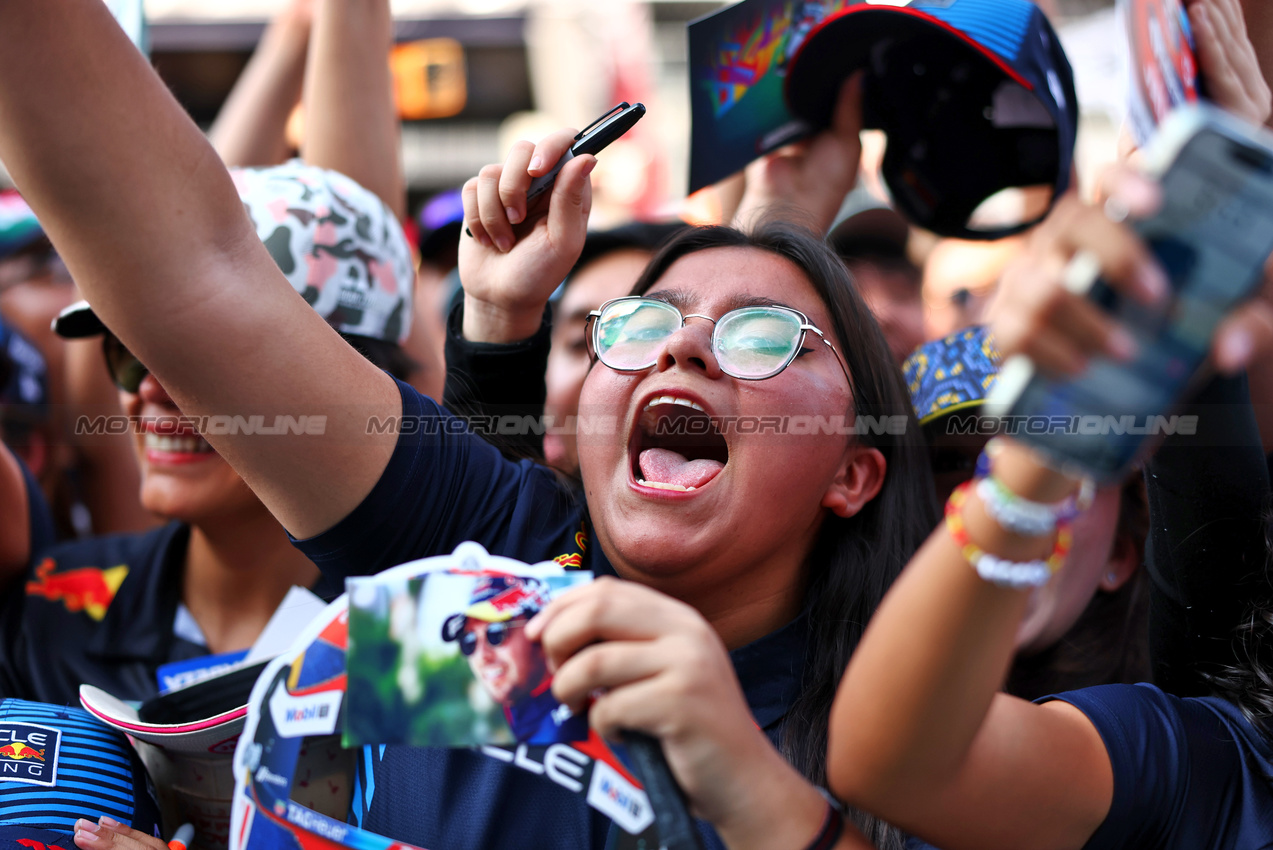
(584, 132)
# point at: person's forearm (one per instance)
(351, 121)
(73, 136)
(496, 323)
(251, 128)
(932, 659)
(149, 223)
(781, 809)
(484, 380)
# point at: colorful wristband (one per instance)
(1017, 575)
(1022, 516)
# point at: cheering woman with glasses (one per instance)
(742, 597)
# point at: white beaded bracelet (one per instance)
(1014, 514)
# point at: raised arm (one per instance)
(351, 122)
(251, 128)
(920, 734)
(149, 222)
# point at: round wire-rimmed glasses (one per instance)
(750, 343)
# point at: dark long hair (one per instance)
(1248, 683)
(854, 560)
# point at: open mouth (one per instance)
(677, 445)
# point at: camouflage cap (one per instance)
(338, 245)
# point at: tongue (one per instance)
(668, 467)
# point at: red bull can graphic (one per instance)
(28, 753)
(87, 589)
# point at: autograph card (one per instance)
(441, 659)
(1164, 71)
(738, 63)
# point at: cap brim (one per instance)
(936, 415)
(487, 613)
(198, 735)
(77, 322)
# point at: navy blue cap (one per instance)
(975, 96)
(497, 599)
(59, 764)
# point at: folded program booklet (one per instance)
(738, 63)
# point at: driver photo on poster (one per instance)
(442, 659)
(513, 671)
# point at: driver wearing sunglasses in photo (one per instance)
(109, 611)
(491, 635)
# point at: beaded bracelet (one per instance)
(1017, 575)
(1022, 516)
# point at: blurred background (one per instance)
(475, 75)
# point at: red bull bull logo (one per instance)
(28, 753)
(20, 751)
(87, 589)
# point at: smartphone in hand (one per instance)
(1212, 236)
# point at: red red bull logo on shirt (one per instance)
(87, 589)
(28, 753)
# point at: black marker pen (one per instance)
(591, 139)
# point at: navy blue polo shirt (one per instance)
(1189, 774)
(39, 518)
(443, 486)
(99, 611)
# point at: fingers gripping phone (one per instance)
(1212, 237)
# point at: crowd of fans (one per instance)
(1125, 703)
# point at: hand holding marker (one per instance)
(182, 837)
(590, 140)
